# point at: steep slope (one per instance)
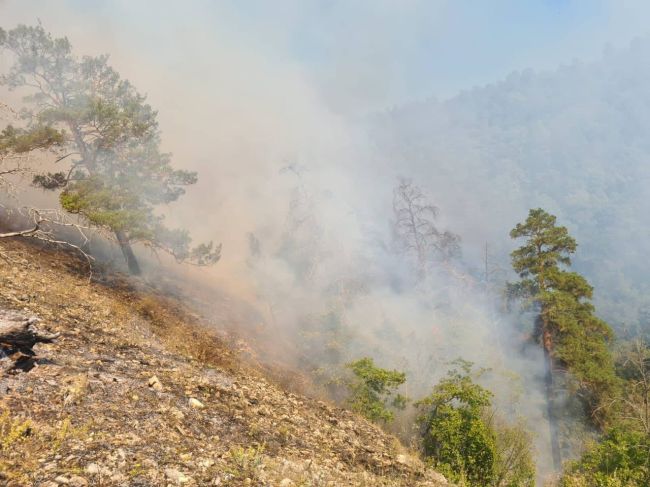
(136, 391)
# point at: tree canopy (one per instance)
(115, 175)
(372, 392)
(454, 433)
(574, 340)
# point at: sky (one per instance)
(244, 86)
(367, 54)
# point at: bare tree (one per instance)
(415, 228)
(637, 392)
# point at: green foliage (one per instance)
(372, 392)
(455, 435)
(12, 430)
(546, 245)
(622, 456)
(567, 328)
(514, 466)
(21, 141)
(116, 174)
(621, 459)
(245, 463)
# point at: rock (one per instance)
(77, 481)
(176, 476)
(177, 413)
(437, 477)
(92, 469)
(196, 404)
(206, 463)
(62, 480)
(155, 384)
(286, 482)
(406, 460)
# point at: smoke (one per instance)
(283, 112)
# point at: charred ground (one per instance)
(139, 390)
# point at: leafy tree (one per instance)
(622, 456)
(514, 466)
(372, 391)
(620, 459)
(455, 434)
(115, 174)
(415, 227)
(572, 337)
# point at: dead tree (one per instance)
(415, 229)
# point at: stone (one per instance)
(176, 476)
(92, 469)
(77, 481)
(196, 404)
(155, 384)
(437, 477)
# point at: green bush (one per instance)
(372, 390)
(455, 436)
(514, 465)
(620, 459)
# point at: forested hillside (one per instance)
(574, 141)
(470, 275)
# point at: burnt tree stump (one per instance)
(18, 335)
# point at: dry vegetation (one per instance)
(138, 390)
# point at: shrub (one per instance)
(455, 436)
(372, 391)
(620, 459)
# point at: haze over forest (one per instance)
(303, 119)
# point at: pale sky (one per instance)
(362, 54)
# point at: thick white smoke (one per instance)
(297, 165)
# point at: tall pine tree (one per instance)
(572, 337)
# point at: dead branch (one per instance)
(44, 223)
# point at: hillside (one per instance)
(137, 391)
(573, 140)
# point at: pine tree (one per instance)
(373, 390)
(115, 174)
(572, 337)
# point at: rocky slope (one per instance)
(138, 391)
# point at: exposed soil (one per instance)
(139, 391)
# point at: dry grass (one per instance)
(183, 332)
(92, 398)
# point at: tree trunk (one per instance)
(550, 398)
(127, 252)
(547, 345)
